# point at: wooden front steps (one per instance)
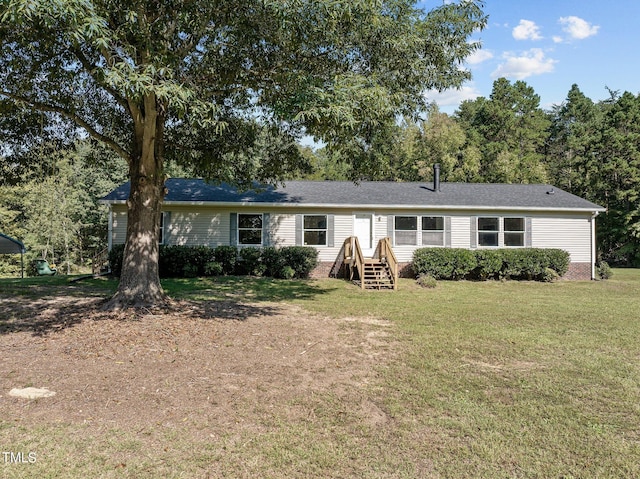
(379, 272)
(377, 275)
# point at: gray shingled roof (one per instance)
(373, 193)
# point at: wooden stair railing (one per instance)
(384, 252)
(100, 263)
(379, 272)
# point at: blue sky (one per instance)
(552, 44)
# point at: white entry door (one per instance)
(362, 229)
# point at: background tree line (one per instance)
(51, 180)
(591, 149)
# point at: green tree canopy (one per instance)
(510, 129)
(227, 86)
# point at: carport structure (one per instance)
(9, 245)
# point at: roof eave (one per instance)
(224, 204)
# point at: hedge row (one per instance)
(192, 261)
(522, 263)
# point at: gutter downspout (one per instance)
(593, 244)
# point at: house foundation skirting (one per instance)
(578, 271)
(326, 269)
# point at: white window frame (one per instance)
(500, 232)
(416, 231)
(239, 228)
(441, 231)
(162, 230)
(520, 232)
(325, 229)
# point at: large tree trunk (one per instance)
(139, 280)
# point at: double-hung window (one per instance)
(432, 231)
(488, 231)
(163, 224)
(250, 229)
(406, 230)
(315, 230)
(514, 229)
(495, 231)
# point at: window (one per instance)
(315, 230)
(162, 226)
(250, 229)
(514, 232)
(406, 230)
(488, 229)
(432, 231)
(503, 232)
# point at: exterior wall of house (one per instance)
(572, 234)
(211, 226)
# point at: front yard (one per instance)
(264, 378)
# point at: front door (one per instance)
(362, 229)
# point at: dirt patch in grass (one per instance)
(210, 370)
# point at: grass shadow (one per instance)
(46, 305)
(243, 288)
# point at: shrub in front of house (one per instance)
(227, 256)
(517, 263)
(488, 264)
(531, 263)
(115, 259)
(272, 261)
(250, 262)
(183, 261)
(302, 259)
(558, 260)
(212, 268)
(444, 263)
(191, 261)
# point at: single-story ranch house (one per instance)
(324, 214)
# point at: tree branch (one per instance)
(90, 68)
(74, 118)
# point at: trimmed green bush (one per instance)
(212, 268)
(489, 264)
(287, 272)
(444, 263)
(558, 260)
(516, 263)
(183, 261)
(115, 259)
(273, 261)
(549, 275)
(302, 259)
(227, 256)
(250, 261)
(191, 261)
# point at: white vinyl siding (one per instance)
(210, 226)
(119, 226)
(460, 231)
(206, 227)
(571, 234)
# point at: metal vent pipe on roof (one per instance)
(436, 177)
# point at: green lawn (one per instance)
(513, 379)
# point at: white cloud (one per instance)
(478, 57)
(453, 97)
(577, 28)
(532, 62)
(526, 30)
